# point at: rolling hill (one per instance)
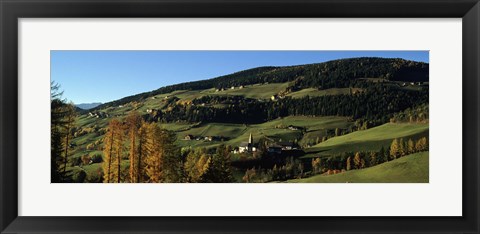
(370, 139)
(331, 74)
(408, 169)
(301, 105)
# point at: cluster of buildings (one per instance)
(98, 115)
(247, 147)
(279, 147)
(275, 148)
(412, 84)
(232, 88)
(200, 138)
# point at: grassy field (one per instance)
(316, 93)
(257, 91)
(275, 129)
(366, 140)
(412, 168)
(312, 123)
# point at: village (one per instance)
(249, 146)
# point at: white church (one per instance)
(246, 147)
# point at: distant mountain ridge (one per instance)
(331, 74)
(87, 106)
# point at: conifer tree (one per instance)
(316, 165)
(142, 149)
(381, 156)
(191, 171)
(113, 146)
(161, 158)
(373, 158)
(357, 160)
(68, 125)
(401, 148)
(363, 163)
(173, 163)
(349, 163)
(422, 144)
(410, 146)
(219, 170)
(57, 135)
(197, 165)
(134, 122)
(394, 149)
(119, 148)
(154, 157)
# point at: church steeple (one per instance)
(250, 143)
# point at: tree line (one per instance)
(136, 151)
(398, 148)
(417, 114)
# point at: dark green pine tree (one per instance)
(58, 112)
(219, 170)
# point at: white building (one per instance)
(247, 147)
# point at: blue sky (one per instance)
(102, 76)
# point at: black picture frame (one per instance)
(12, 10)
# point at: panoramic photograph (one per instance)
(239, 116)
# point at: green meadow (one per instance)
(412, 168)
(368, 140)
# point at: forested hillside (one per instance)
(259, 125)
(337, 73)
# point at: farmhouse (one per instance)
(287, 145)
(188, 137)
(281, 146)
(98, 114)
(293, 128)
(208, 138)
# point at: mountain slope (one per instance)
(332, 74)
(408, 169)
(325, 110)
